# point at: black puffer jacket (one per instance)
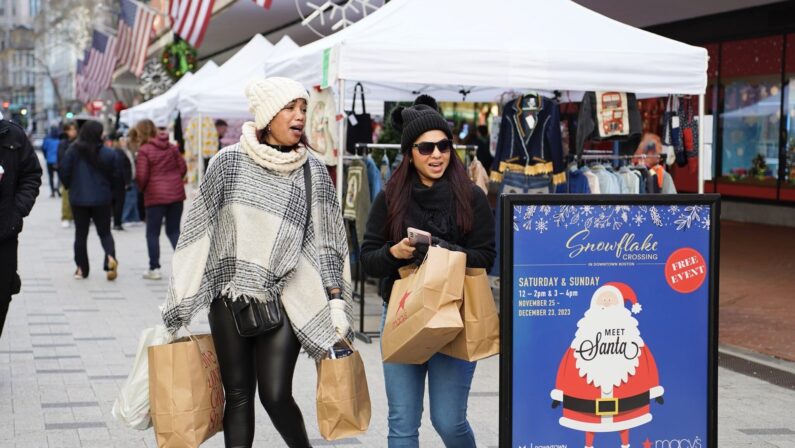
(20, 181)
(432, 209)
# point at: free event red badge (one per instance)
(685, 270)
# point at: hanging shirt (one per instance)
(668, 186)
(373, 177)
(593, 181)
(321, 125)
(607, 116)
(201, 137)
(357, 201)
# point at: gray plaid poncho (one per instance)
(244, 237)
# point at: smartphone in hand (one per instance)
(418, 236)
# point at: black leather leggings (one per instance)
(267, 362)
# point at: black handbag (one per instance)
(252, 317)
(360, 126)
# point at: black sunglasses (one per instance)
(426, 148)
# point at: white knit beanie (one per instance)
(266, 97)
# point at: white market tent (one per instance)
(446, 46)
(160, 108)
(222, 94)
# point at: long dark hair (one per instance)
(398, 195)
(89, 141)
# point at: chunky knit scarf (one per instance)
(244, 238)
(267, 156)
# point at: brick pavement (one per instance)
(68, 346)
(757, 298)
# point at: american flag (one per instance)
(135, 27)
(98, 69)
(264, 3)
(190, 19)
(80, 92)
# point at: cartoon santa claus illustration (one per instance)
(607, 377)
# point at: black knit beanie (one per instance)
(414, 121)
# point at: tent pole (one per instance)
(341, 140)
(701, 162)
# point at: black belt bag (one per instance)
(252, 317)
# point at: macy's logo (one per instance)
(673, 443)
(400, 318)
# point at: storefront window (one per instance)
(788, 182)
(751, 84)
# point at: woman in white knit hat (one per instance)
(250, 238)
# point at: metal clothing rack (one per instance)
(660, 157)
(359, 284)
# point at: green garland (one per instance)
(179, 58)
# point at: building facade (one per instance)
(18, 69)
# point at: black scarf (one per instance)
(433, 209)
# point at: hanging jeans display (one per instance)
(517, 183)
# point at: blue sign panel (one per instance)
(609, 308)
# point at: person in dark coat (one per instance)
(90, 171)
(67, 138)
(20, 179)
(159, 169)
(118, 142)
(430, 191)
(50, 149)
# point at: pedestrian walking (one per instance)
(252, 236)
(68, 137)
(430, 191)
(50, 149)
(118, 144)
(159, 169)
(90, 171)
(20, 179)
(129, 213)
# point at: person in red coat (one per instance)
(608, 376)
(159, 169)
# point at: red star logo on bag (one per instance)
(402, 304)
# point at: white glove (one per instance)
(339, 318)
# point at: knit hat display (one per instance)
(418, 119)
(266, 97)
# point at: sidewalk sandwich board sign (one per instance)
(609, 321)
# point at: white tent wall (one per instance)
(519, 45)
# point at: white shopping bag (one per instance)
(132, 406)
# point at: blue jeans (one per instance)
(449, 380)
(516, 183)
(154, 221)
(130, 211)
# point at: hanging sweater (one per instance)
(244, 238)
(431, 209)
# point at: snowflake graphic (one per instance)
(639, 219)
(690, 216)
(542, 225)
(705, 223)
(674, 209)
(587, 210)
(655, 217)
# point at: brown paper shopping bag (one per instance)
(343, 399)
(480, 337)
(423, 314)
(185, 392)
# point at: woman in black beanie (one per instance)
(431, 191)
